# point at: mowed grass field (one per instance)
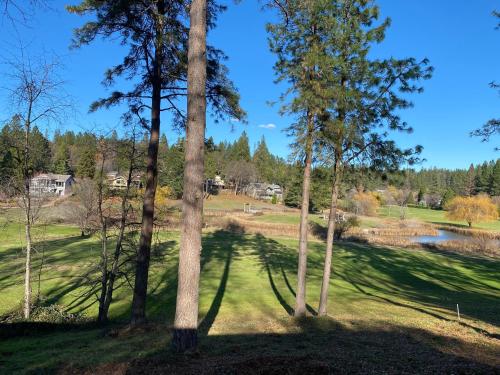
(435, 217)
(391, 310)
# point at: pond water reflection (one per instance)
(443, 235)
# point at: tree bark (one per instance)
(186, 313)
(27, 273)
(27, 207)
(118, 247)
(300, 304)
(104, 241)
(104, 270)
(323, 301)
(148, 207)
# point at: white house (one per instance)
(52, 184)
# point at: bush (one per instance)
(54, 314)
(342, 226)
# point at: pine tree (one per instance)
(470, 181)
(240, 150)
(361, 95)
(87, 163)
(61, 163)
(482, 178)
(263, 161)
(494, 188)
(297, 42)
(156, 34)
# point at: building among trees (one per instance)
(263, 191)
(52, 184)
(117, 181)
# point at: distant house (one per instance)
(119, 182)
(52, 184)
(214, 185)
(263, 191)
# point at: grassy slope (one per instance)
(390, 300)
(434, 216)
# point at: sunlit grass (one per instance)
(247, 287)
(433, 216)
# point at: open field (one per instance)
(391, 310)
(435, 217)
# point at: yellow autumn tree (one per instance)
(472, 209)
(365, 203)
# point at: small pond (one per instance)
(443, 235)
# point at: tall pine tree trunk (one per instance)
(323, 301)
(148, 207)
(300, 304)
(185, 336)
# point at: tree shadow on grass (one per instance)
(319, 346)
(277, 259)
(428, 281)
(219, 247)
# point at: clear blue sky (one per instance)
(458, 36)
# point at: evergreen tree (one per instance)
(297, 42)
(494, 188)
(61, 162)
(293, 193)
(447, 197)
(240, 150)
(87, 163)
(264, 162)
(156, 35)
(421, 194)
(171, 168)
(482, 178)
(362, 95)
(11, 146)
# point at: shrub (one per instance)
(342, 226)
(55, 314)
(274, 199)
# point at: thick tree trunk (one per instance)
(186, 313)
(323, 301)
(300, 304)
(148, 207)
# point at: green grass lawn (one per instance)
(286, 218)
(391, 310)
(434, 216)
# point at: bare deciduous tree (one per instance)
(241, 173)
(86, 192)
(35, 93)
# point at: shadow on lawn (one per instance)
(410, 275)
(319, 346)
(406, 278)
